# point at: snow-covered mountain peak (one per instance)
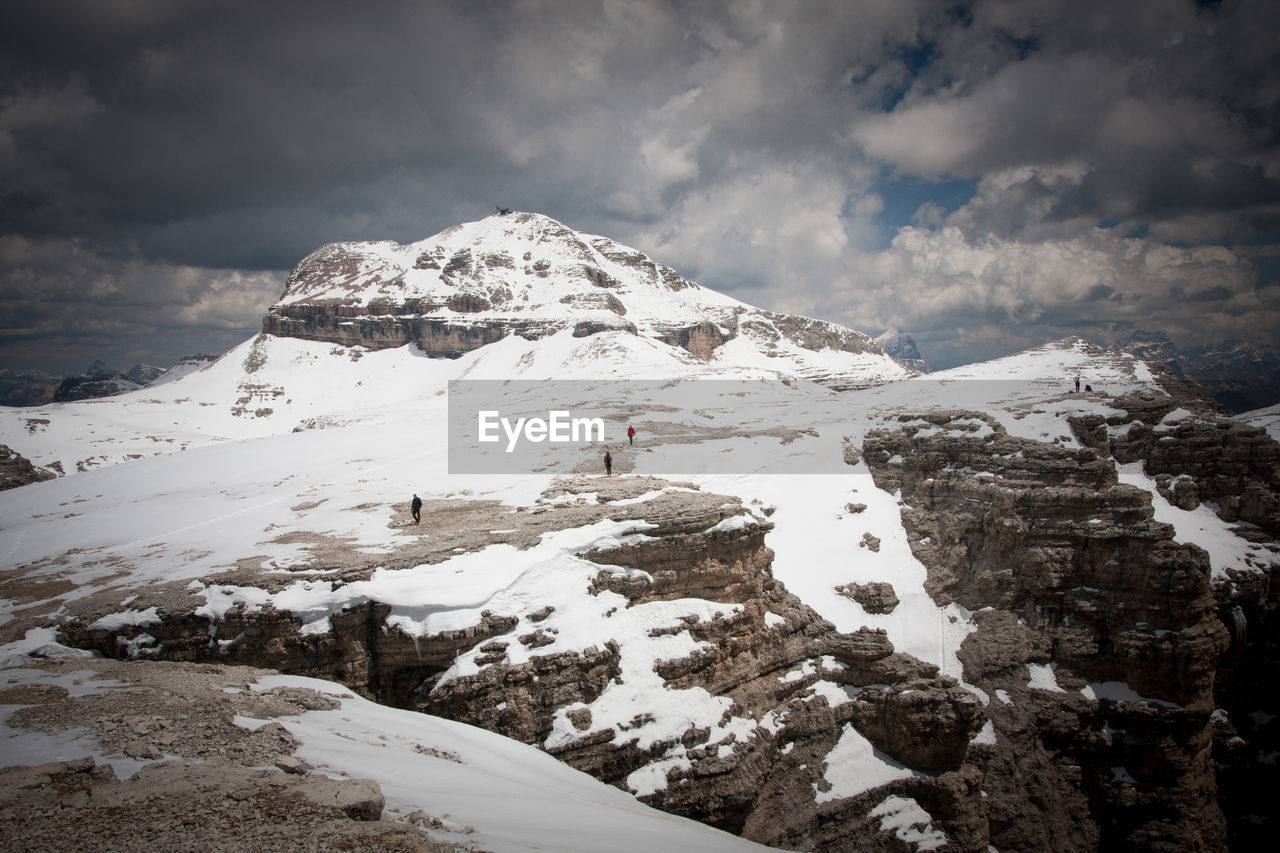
(903, 347)
(505, 265)
(528, 275)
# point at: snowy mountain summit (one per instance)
(528, 275)
(903, 347)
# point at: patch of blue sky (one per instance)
(904, 196)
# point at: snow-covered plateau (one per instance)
(866, 608)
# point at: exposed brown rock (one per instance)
(1084, 585)
(16, 470)
(700, 340)
(876, 597)
(1203, 457)
(204, 786)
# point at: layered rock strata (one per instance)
(1200, 460)
(1097, 637)
(760, 785)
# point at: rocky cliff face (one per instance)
(1099, 637)
(1195, 459)
(1232, 469)
(757, 772)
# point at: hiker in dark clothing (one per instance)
(631, 434)
(416, 509)
(608, 462)
(1077, 383)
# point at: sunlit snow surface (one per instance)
(514, 796)
(1268, 419)
(282, 440)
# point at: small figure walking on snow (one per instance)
(608, 462)
(631, 434)
(416, 508)
(1077, 383)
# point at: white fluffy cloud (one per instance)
(786, 240)
(766, 235)
(954, 292)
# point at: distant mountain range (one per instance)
(27, 387)
(1241, 376)
(36, 388)
(103, 381)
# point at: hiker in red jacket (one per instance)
(631, 434)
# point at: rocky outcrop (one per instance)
(386, 326)
(700, 339)
(875, 597)
(753, 784)
(790, 687)
(17, 470)
(203, 782)
(1196, 457)
(1088, 605)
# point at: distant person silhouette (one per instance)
(631, 434)
(1077, 383)
(608, 462)
(416, 509)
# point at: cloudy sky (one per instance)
(985, 176)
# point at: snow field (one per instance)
(249, 488)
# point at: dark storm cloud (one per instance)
(154, 151)
(174, 116)
(1172, 111)
(74, 306)
(214, 113)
